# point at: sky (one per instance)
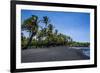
(73, 24)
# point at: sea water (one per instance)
(86, 51)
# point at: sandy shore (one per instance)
(51, 54)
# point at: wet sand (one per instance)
(61, 53)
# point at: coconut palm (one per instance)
(50, 33)
(22, 36)
(46, 20)
(30, 25)
(56, 32)
(69, 40)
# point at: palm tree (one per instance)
(30, 25)
(56, 31)
(50, 29)
(46, 20)
(23, 40)
(69, 40)
(50, 33)
(42, 33)
(22, 36)
(43, 30)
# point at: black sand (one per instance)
(51, 54)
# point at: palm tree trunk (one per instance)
(29, 41)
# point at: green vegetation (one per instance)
(43, 34)
(79, 44)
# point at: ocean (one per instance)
(86, 51)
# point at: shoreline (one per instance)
(60, 53)
(79, 47)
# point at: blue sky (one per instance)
(74, 24)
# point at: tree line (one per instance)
(42, 33)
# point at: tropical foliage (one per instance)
(42, 33)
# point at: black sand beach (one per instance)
(51, 54)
